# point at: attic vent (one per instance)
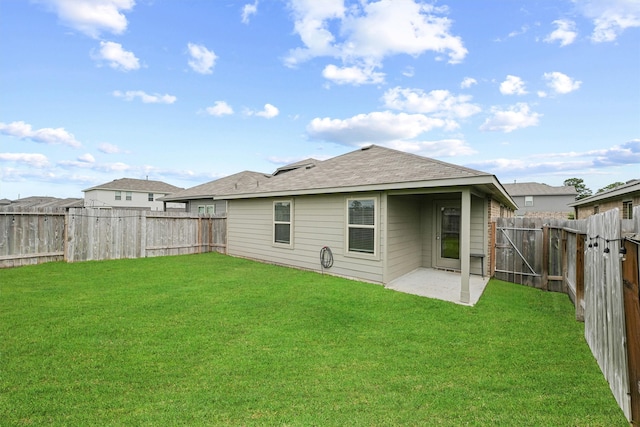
(310, 166)
(366, 148)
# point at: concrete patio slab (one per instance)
(438, 284)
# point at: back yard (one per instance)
(212, 340)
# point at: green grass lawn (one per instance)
(212, 340)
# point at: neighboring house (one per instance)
(128, 193)
(542, 200)
(42, 202)
(624, 197)
(383, 213)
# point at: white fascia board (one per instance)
(398, 186)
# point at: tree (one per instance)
(611, 186)
(580, 187)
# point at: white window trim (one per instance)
(375, 226)
(274, 222)
(528, 203)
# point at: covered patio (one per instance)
(439, 284)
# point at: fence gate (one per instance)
(517, 251)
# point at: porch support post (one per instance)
(465, 246)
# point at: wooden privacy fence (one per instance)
(586, 260)
(81, 234)
(31, 236)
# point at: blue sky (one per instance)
(189, 91)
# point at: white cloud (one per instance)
(439, 102)
(352, 75)
(364, 34)
(311, 22)
(248, 10)
(23, 130)
(626, 154)
(516, 117)
(610, 17)
(202, 59)
(86, 158)
(513, 85)
(561, 83)
(565, 32)
(107, 148)
(220, 108)
(130, 95)
(30, 159)
(92, 17)
(116, 56)
(269, 112)
(468, 82)
(374, 127)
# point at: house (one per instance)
(382, 213)
(542, 200)
(128, 193)
(624, 197)
(42, 202)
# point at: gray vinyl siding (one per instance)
(428, 224)
(404, 235)
(317, 221)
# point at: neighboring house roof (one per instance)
(241, 180)
(141, 185)
(367, 169)
(45, 202)
(631, 187)
(537, 189)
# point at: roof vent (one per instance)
(366, 147)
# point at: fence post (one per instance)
(580, 277)
(545, 257)
(492, 250)
(565, 258)
(631, 289)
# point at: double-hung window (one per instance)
(528, 200)
(627, 209)
(118, 195)
(361, 226)
(282, 222)
(128, 195)
(206, 209)
(150, 197)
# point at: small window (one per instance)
(528, 200)
(118, 195)
(361, 226)
(151, 197)
(206, 209)
(128, 195)
(282, 222)
(627, 210)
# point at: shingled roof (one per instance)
(141, 185)
(366, 169)
(537, 189)
(370, 166)
(239, 181)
